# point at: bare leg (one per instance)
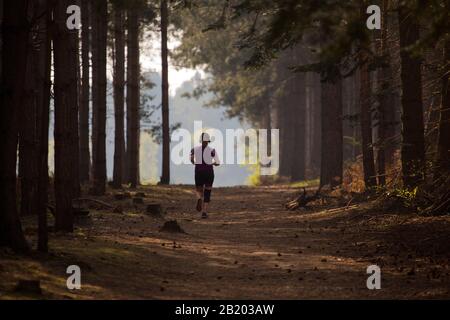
(199, 191)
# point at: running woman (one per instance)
(204, 158)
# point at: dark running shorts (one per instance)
(204, 178)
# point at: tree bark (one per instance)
(386, 108)
(28, 128)
(65, 44)
(316, 139)
(100, 15)
(299, 129)
(286, 110)
(133, 97)
(43, 106)
(119, 98)
(284, 170)
(413, 145)
(165, 178)
(286, 105)
(15, 32)
(443, 157)
(33, 148)
(332, 132)
(85, 93)
(94, 86)
(366, 124)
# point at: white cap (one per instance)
(205, 137)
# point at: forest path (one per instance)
(249, 248)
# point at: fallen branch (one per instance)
(104, 204)
(440, 207)
(101, 203)
(334, 210)
(303, 200)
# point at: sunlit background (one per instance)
(183, 110)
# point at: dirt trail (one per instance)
(250, 248)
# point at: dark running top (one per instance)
(204, 158)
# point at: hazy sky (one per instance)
(182, 110)
(185, 112)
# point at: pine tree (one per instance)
(119, 98)
(443, 157)
(366, 122)
(43, 81)
(331, 171)
(99, 31)
(85, 91)
(65, 44)
(413, 144)
(14, 56)
(133, 94)
(165, 178)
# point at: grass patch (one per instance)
(306, 183)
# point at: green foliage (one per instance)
(405, 196)
(332, 28)
(240, 44)
(306, 183)
(205, 44)
(255, 178)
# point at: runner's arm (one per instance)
(192, 156)
(216, 159)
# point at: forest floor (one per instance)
(249, 248)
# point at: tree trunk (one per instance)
(100, 13)
(133, 97)
(443, 158)
(316, 139)
(312, 116)
(309, 127)
(312, 120)
(119, 97)
(299, 129)
(386, 112)
(65, 44)
(28, 128)
(76, 147)
(286, 105)
(43, 106)
(14, 57)
(165, 178)
(413, 145)
(366, 124)
(281, 105)
(85, 93)
(35, 122)
(332, 132)
(286, 109)
(95, 85)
